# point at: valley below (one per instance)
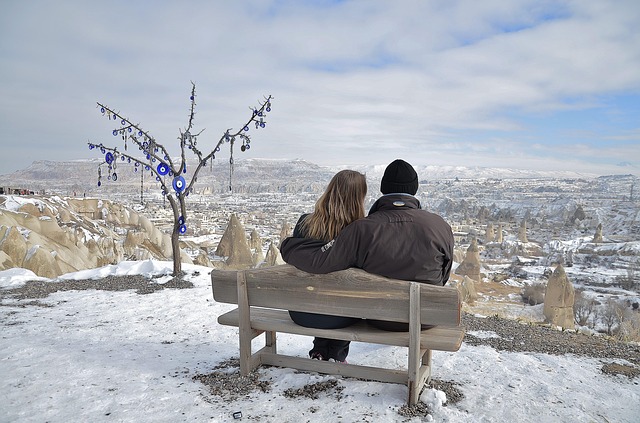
(524, 227)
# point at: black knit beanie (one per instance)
(399, 176)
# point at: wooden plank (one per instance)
(327, 367)
(414, 358)
(351, 292)
(424, 375)
(437, 338)
(244, 325)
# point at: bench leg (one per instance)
(245, 337)
(422, 376)
(415, 353)
(270, 342)
(257, 359)
(426, 358)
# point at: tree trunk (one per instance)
(175, 247)
(175, 238)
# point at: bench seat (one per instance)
(436, 338)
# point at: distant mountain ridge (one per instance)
(477, 172)
(249, 175)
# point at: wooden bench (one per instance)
(265, 295)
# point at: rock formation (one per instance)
(273, 257)
(234, 246)
(579, 214)
(202, 260)
(467, 290)
(470, 266)
(597, 238)
(458, 255)
(285, 231)
(489, 235)
(498, 238)
(51, 236)
(558, 300)
(224, 246)
(255, 244)
(522, 232)
(41, 262)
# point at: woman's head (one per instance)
(341, 204)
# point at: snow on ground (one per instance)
(105, 356)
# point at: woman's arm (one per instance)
(315, 256)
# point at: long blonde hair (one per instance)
(341, 204)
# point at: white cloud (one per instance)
(353, 81)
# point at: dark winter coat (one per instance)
(397, 240)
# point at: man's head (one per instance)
(399, 177)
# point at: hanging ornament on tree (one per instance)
(178, 184)
(162, 169)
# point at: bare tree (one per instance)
(628, 281)
(582, 308)
(612, 314)
(151, 156)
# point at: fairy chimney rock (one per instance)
(467, 290)
(285, 232)
(522, 232)
(558, 300)
(579, 214)
(499, 234)
(470, 266)
(598, 235)
(273, 257)
(238, 252)
(224, 246)
(255, 242)
(489, 235)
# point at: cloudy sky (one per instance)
(545, 85)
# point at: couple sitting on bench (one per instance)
(397, 239)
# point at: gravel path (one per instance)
(531, 337)
(139, 283)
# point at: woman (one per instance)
(341, 204)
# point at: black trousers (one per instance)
(327, 348)
(334, 348)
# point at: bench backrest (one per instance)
(351, 293)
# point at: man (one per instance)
(397, 239)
